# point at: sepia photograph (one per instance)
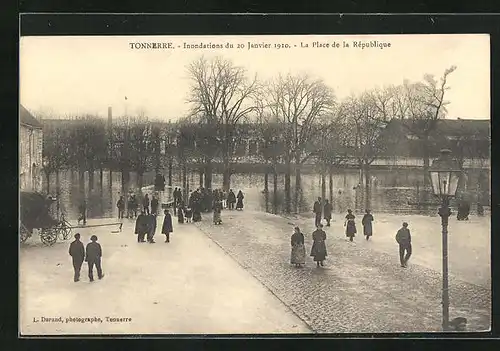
(254, 184)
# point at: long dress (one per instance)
(298, 255)
(217, 213)
(350, 230)
(318, 250)
(367, 224)
(239, 204)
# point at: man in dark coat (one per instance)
(167, 226)
(154, 205)
(151, 227)
(93, 257)
(141, 227)
(403, 238)
(231, 199)
(77, 253)
(317, 211)
(145, 203)
(121, 207)
(327, 212)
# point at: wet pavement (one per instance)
(189, 285)
(362, 288)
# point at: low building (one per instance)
(30, 151)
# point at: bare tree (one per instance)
(298, 103)
(426, 104)
(221, 96)
(141, 146)
(56, 143)
(367, 123)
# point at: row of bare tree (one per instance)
(296, 117)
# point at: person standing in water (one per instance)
(367, 224)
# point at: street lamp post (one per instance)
(445, 174)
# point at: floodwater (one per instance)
(391, 191)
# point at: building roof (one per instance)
(452, 127)
(27, 119)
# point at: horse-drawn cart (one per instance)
(36, 214)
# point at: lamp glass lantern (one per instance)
(445, 174)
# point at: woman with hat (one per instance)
(298, 256)
(350, 230)
(318, 250)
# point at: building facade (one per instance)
(30, 151)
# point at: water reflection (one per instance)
(390, 191)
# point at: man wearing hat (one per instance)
(77, 253)
(403, 238)
(93, 257)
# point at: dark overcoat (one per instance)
(167, 226)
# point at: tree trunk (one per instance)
(81, 181)
(208, 174)
(57, 193)
(170, 171)
(91, 179)
(110, 180)
(288, 207)
(200, 173)
(184, 181)
(125, 179)
(298, 189)
(425, 151)
(140, 179)
(47, 175)
(323, 186)
(275, 189)
(367, 187)
(266, 187)
(101, 176)
(330, 176)
(226, 175)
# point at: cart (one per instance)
(36, 214)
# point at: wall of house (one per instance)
(30, 158)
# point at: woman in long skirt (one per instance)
(298, 256)
(180, 214)
(318, 250)
(367, 224)
(240, 197)
(217, 212)
(350, 225)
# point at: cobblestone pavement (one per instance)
(358, 290)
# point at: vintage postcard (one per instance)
(254, 184)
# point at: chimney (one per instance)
(110, 116)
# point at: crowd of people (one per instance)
(318, 249)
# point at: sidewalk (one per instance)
(362, 288)
(187, 286)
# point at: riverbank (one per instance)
(362, 288)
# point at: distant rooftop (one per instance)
(27, 119)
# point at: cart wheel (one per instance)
(24, 233)
(65, 230)
(48, 236)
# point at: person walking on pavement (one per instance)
(180, 214)
(154, 205)
(403, 238)
(350, 230)
(318, 249)
(240, 197)
(167, 226)
(317, 211)
(231, 199)
(121, 207)
(188, 213)
(298, 255)
(93, 257)
(145, 204)
(77, 253)
(83, 213)
(151, 227)
(130, 205)
(367, 224)
(141, 227)
(327, 212)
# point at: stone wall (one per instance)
(30, 159)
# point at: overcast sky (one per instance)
(76, 75)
